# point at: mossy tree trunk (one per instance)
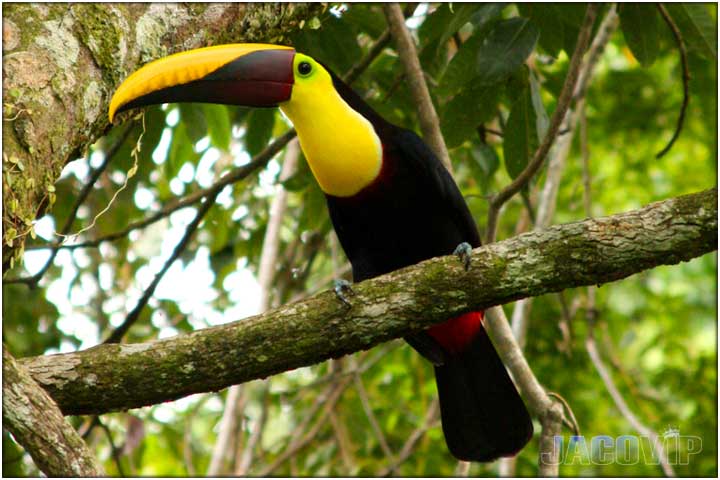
(62, 63)
(35, 421)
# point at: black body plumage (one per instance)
(414, 211)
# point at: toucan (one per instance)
(391, 202)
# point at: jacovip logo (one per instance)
(624, 450)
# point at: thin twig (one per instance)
(189, 421)
(409, 447)
(429, 122)
(572, 423)
(365, 62)
(297, 445)
(620, 403)
(236, 175)
(632, 382)
(342, 439)
(266, 273)
(309, 414)
(246, 458)
(565, 326)
(236, 397)
(132, 317)
(591, 344)
(32, 281)
(362, 394)
(113, 449)
(686, 78)
(558, 116)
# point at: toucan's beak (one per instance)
(249, 74)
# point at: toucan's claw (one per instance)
(341, 288)
(464, 252)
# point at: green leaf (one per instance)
(639, 25)
(259, 129)
(368, 17)
(334, 44)
(13, 454)
(444, 22)
(542, 120)
(464, 113)
(484, 164)
(300, 179)
(461, 69)
(697, 27)
(487, 13)
(181, 151)
(219, 128)
(154, 126)
(314, 211)
(507, 46)
(572, 13)
(191, 115)
(552, 29)
(572, 16)
(518, 84)
(520, 140)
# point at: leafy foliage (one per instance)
(494, 71)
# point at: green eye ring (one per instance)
(304, 68)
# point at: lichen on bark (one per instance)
(62, 63)
(117, 377)
(35, 421)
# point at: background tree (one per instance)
(633, 357)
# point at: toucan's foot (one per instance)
(341, 288)
(463, 252)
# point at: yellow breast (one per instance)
(341, 146)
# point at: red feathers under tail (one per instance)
(483, 416)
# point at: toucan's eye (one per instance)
(304, 68)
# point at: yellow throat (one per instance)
(341, 146)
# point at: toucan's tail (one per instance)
(483, 416)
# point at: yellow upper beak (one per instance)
(251, 74)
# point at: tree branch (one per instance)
(686, 77)
(634, 421)
(407, 450)
(416, 81)
(236, 175)
(266, 274)
(558, 116)
(335, 392)
(134, 314)
(117, 377)
(60, 79)
(33, 280)
(550, 416)
(37, 424)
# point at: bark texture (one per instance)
(118, 377)
(62, 63)
(35, 421)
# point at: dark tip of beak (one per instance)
(259, 79)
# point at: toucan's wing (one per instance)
(439, 182)
(439, 185)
